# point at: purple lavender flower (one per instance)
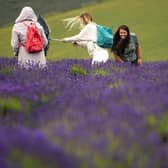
(73, 115)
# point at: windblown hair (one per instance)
(72, 22)
(79, 21)
(120, 44)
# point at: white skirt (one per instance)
(98, 54)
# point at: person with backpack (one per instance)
(126, 46)
(87, 37)
(28, 39)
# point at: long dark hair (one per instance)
(119, 44)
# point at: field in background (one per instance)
(9, 9)
(147, 18)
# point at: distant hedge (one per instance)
(11, 8)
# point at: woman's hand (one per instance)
(118, 59)
(139, 61)
(75, 43)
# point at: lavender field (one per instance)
(72, 115)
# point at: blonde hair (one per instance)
(72, 22)
(80, 21)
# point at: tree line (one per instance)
(10, 9)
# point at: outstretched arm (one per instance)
(84, 35)
(138, 51)
(74, 38)
(139, 59)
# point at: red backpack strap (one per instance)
(32, 23)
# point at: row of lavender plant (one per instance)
(111, 115)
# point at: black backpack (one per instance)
(46, 31)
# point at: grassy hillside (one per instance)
(147, 18)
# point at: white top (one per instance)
(87, 38)
(88, 33)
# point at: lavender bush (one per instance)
(73, 115)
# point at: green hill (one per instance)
(147, 18)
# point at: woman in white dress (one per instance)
(19, 35)
(87, 37)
